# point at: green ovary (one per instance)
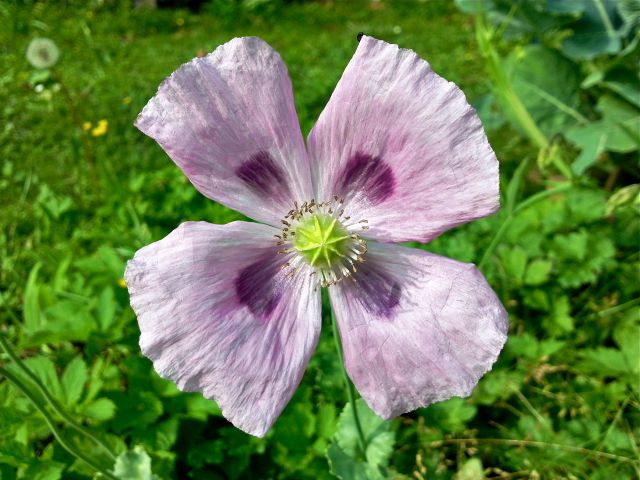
(321, 240)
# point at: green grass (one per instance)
(75, 207)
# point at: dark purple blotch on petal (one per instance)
(258, 288)
(367, 175)
(263, 175)
(377, 290)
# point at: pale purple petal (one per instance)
(416, 328)
(229, 122)
(218, 315)
(403, 147)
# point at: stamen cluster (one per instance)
(324, 239)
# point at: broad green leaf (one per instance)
(625, 83)
(551, 103)
(596, 33)
(345, 467)
(134, 465)
(73, 380)
(344, 452)
(618, 131)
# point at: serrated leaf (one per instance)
(134, 465)
(451, 415)
(344, 452)
(135, 409)
(343, 466)
(560, 321)
(514, 261)
(538, 272)
(45, 370)
(73, 380)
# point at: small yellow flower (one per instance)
(180, 22)
(126, 100)
(101, 128)
(86, 126)
(122, 283)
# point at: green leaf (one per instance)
(627, 336)
(538, 272)
(344, 451)
(513, 189)
(201, 408)
(625, 83)
(134, 465)
(560, 321)
(44, 470)
(514, 261)
(136, 409)
(595, 33)
(617, 131)
(73, 380)
(470, 470)
(106, 309)
(451, 415)
(100, 409)
(45, 370)
(551, 103)
(31, 306)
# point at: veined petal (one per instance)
(416, 328)
(229, 122)
(403, 147)
(218, 315)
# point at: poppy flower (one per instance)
(397, 155)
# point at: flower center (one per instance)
(322, 238)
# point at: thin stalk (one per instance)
(618, 308)
(503, 87)
(507, 221)
(351, 392)
(532, 443)
(52, 401)
(52, 426)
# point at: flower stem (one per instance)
(54, 429)
(49, 398)
(351, 391)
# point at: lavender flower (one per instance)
(397, 155)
